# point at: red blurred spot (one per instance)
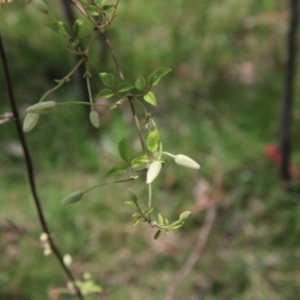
(274, 154)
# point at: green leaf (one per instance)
(140, 160)
(77, 27)
(124, 87)
(59, 27)
(167, 221)
(73, 42)
(132, 205)
(99, 3)
(176, 225)
(105, 93)
(125, 150)
(92, 10)
(132, 195)
(153, 140)
(148, 211)
(137, 221)
(140, 83)
(160, 219)
(107, 79)
(154, 77)
(150, 98)
(157, 234)
(117, 170)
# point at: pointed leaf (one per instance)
(59, 27)
(77, 27)
(105, 93)
(132, 195)
(117, 170)
(107, 79)
(125, 149)
(148, 211)
(157, 234)
(137, 221)
(154, 77)
(124, 87)
(176, 225)
(160, 219)
(153, 140)
(132, 205)
(140, 83)
(150, 98)
(73, 43)
(140, 160)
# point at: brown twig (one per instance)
(30, 169)
(287, 100)
(195, 254)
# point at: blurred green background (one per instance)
(220, 105)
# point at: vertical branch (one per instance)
(287, 100)
(30, 169)
(81, 70)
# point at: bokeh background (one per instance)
(220, 105)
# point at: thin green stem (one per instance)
(63, 80)
(149, 195)
(103, 184)
(81, 103)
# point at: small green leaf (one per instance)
(157, 234)
(132, 205)
(73, 42)
(99, 3)
(107, 79)
(124, 87)
(148, 211)
(150, 98)
(77, 27)
(125, 150)
(154, 77)
(137, 221)
(160, 219)
(176, 225)
(140, 83)
(140, 160)
(105, 93)
(59, 27)
(132, 195)
(153, 140)
(167, 221)
(117, 170)
(92, 12)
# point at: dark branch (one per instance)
(30, 169)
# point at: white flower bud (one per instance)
(184, 216)
(42, 107)
(95, 119)
(72, 198)
(153, 171)
(185, 161)
(30, 121)
(67, 260)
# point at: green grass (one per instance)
(220, 105)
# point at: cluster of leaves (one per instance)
(137, 93)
